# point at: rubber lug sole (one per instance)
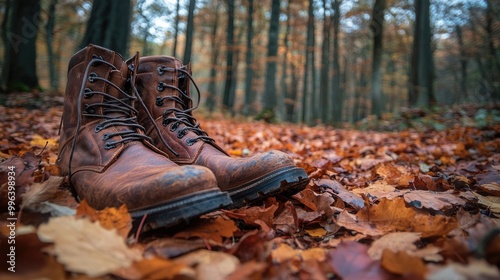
(181, 210)
(285, 181)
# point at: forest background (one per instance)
(317, 61)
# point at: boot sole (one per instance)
(181, 209)
(285, 181)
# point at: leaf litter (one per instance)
(411, 204)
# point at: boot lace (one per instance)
(177, 116)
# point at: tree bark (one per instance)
(421, 79)
(228, 96)
(49, 39)
(377, 27)
(109, 25)
(176, 29)
(21, 28)
(463, 62)
(309, 66)
(212, 92)
(289, 97)
(337, 92)
(189, 32)
(248, 105)
(324, 110)
(272, 54)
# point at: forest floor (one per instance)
(413, 197)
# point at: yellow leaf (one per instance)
(316, 232)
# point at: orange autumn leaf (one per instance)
(214, 229)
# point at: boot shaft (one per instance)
(95, 99)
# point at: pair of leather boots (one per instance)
(129, 137)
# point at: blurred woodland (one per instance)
(316, 61)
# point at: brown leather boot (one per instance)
(163, 82)
(109, 159)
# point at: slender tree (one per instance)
(176, 28)
(323, 109)
(377, 27)
(307, 91)
(109, 25)
(272, 54)
(189, 32)
(287, 92)
(337, 93)
(212, 92)
(463, 61)
(49, 39)
(421, 78)
(248, 105)
(20, 29)
(228, 95)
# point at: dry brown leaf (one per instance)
(248, 270)
(393, 215)
(156, 269)
(403, 264)
(378, 190)
(491, 202)
(210, 265)
(283, 253)
(348, 197)
(491, 188)
(41, 192)
(394, 241)
(109, 218)
(214, 229)
(86, 247)
(432, 200)
(251, 214)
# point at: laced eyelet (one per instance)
(89, 109)
(161, 86)
(98, 128)
(92, 77)
(96, 63)
(159, 101)
(131, 67)
(190, 141)
(87, 93)
(160, 70)
(165, 122)
(181, 134)
(109, 146)
(174, 127)
(105, 136)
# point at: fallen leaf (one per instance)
(432, 200)
(251, 214)
(316, 232)
(109, 218)
(283, 253)
(475, 269)
(156, 269)
(173, 247)
(248, 270)
(403, 264)
(348, 197)
(350, 261)
(42, 192)
(393, 215)
(210, 265)
(491, 202)
(394, 241)
(492, 188)
(215, 229)
(378, 190)
(86, 247)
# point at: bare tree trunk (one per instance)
(463, 62)
(272, 54)
(421, 79)
(324, 109)
(176, 28)
(248, 104)
(189, 32)
(228, 96)
(309, 66)
(493, 60)
(21, 27)
(49, 39)
(289, 98)
(337, 99)
(109, 25)
(377, 27)
(212, 92)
